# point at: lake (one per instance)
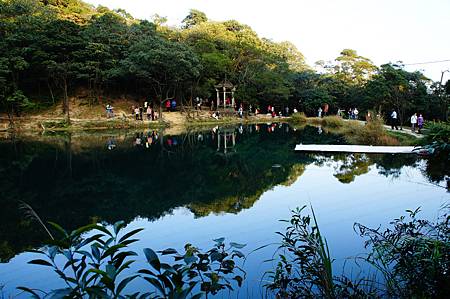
(235, 182)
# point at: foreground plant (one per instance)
(208, 269)
(94, 267)
(413, 255)
(304, 268)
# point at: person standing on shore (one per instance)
(319, 112)
(325, 109)
(149, 113)
(136, 113)
(413, 122)
(394, 120)
(420, 123)
(355, 113)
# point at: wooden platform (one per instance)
(355, 148)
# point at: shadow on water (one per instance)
(75, 180)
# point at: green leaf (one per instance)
(40, 262)
(237, 245)
(111, 250)
(155, 283)
(111, 271)
(124, 283)
(152, 258)
(52, 251)
(89, 240)
(124, 266)
(146, 271)
(78, 232)
(60, 293)
(95, 252)
(58, 228)
(238, 279)
(118, 226)
(127, 235)
(219, 240)
(30, 291)
(238, 254)
(168, 251)
(103, 229)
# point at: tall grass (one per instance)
(333, 121)
(373, 133)
(298, 118)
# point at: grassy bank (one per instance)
(60, 124)
(356, 132)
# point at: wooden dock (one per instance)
(355, 148)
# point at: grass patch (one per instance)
(405, 139)
(373, 133)
(332, 121)
(55, 124)
(298, 118)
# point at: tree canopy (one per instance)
(52, 48)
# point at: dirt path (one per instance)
(174, 118)
(406, 130)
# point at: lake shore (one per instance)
(174, 123)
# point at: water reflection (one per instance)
(78, 179)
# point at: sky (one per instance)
(411, 31)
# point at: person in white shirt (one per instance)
(394, 120)
(413, 122)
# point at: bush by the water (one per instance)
(332, 121)
(298, 118)
(437, 131)
(373, 133)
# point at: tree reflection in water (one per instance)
(74, 180)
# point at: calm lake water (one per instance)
(232, 182)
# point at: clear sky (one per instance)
(411, 31)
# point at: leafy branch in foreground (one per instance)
(94, 267)
(193, 267)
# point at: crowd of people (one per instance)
(417, 121)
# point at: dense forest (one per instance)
(52, 49)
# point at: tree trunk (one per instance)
(66, 108)
(51, 91)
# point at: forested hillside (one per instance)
(52, 49)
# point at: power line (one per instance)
(428, 62)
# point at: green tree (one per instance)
(352, 68)
(193, 18)
(166, 67)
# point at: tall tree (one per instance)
(194, 17)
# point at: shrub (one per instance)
(332, 121)
(373, 133)
(298, 118)
(413, 256)
(437, 132)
